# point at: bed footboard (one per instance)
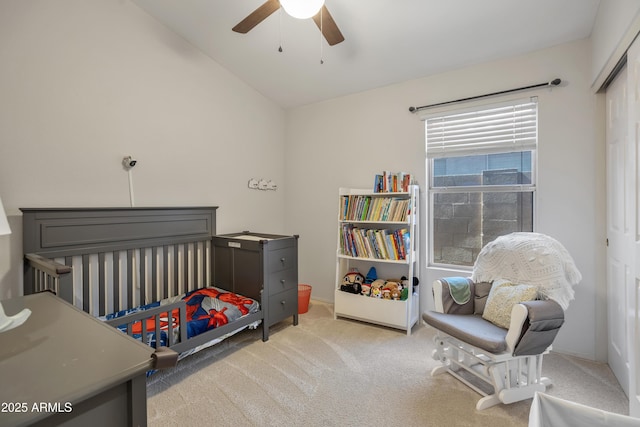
(159, 317)
(169, 315)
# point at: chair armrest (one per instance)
(444, 302)
(534, 325)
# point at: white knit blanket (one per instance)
(533, 259)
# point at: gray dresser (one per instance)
(243, 259)
(63, 367)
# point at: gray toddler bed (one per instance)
(142, 270)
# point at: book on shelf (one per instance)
(373, 243)
(368, 208)
(392, 182)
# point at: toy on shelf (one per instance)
(352, 282)
(390, 289)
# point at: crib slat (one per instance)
(36, 280)
(170, 340)
(196, 267)
(86, 295)
(207, 258)
(176, 255)
(101, 289)
(185, 267)
(183, 321)
(69, 292)
(116, 281)
(154, 274)
(142, 262)
(158, 330)
(143, 323)
(130, 268)
(165, 271)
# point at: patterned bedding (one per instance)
(207, 309)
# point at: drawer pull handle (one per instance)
(282, 302)
(282, 260)
(282, 281)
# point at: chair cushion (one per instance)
(481, 290)
(470, 328)
(502, 297)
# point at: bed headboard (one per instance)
(109, 259)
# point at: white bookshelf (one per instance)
(399, 314)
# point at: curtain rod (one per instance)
(554, 82)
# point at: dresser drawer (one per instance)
(282, 305)
(283, 280)
(282, 259)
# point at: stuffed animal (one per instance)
(371, 276)
(404, 293)
(366, 289)
(392, 288)
(352, 282)
(376, 288)
(405, 282)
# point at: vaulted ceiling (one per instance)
(386, 41)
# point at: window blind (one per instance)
(488, 129)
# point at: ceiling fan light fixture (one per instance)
(302, 9)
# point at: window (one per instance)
(481, 170)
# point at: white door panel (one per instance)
(632, 297)
(620, 225)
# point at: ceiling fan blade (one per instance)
(257, 16)
(328, 27)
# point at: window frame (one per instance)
(432, 191)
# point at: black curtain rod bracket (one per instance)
(554, 82)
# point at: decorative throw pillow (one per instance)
(502, 297)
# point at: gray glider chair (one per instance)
(493, 328)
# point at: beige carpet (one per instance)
(327, 372)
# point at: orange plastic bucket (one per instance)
(304, 295)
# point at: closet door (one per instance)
(632, 309)
(620, 225)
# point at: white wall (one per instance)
(617, 23)
(84, 83)
(345, 141)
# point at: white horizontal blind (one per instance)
(488, 129)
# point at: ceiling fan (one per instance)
(320, 15)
